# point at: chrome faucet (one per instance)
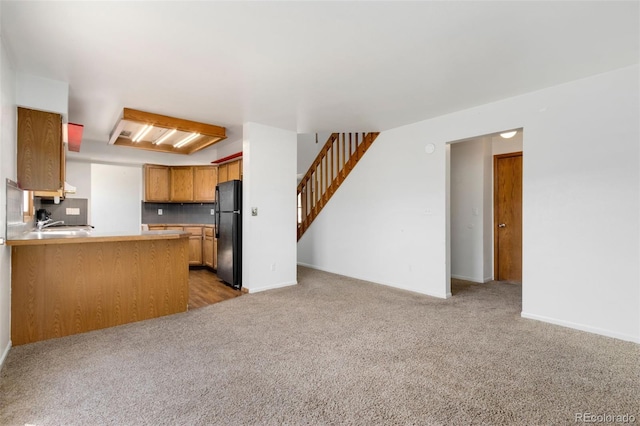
(41, 224)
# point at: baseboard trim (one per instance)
(413, 290)
(582, 327)
(473, 280)
(271, 287)
(5, 353)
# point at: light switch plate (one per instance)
(254, 211)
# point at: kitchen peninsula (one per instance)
(63, 285)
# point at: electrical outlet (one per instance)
(273, 266)
(159, 212)
(213, 212)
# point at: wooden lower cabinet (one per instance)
(195, 244)
(59, 289)
(202, 243)
(209, 249)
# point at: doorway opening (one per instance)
(483, 247)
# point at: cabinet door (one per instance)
(195, 250)
(205, 179)
(208, 251)
(234, 170)
(156, 183)
(40, 150)
(156, 227)
(195, 244)
(223, 173)
(182, 183)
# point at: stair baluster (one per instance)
(327, 172)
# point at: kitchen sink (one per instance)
(61, 231)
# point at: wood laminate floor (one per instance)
(205, 289)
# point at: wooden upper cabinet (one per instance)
(181, 183)
(234, 170)
(205, 179)
(223, 173)
(40, 150)
(156, 183)
(230, 171)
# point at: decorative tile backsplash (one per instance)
(178, 213)
(15, 203)
(73, 211)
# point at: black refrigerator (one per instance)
(229, 232)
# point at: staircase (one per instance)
(332, 165)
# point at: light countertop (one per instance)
(31, 238)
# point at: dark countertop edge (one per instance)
(100, 238)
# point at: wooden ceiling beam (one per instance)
(173, 123)
(210, 133)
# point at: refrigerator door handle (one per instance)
(217, 216)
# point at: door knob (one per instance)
(502, 225)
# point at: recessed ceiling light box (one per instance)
(155, 132)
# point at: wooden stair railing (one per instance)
(332, 165)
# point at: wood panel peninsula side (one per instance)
(65, 286)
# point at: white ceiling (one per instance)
(310, 66)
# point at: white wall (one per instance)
(43, 94)
(269, 183)
(78, 174)
(115, 204)
(224, 149)
(487, 204)
(387, 222)
(500, 145)
(308, 149)
(468, 209)
(7, 170)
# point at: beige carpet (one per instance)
(331, 350)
